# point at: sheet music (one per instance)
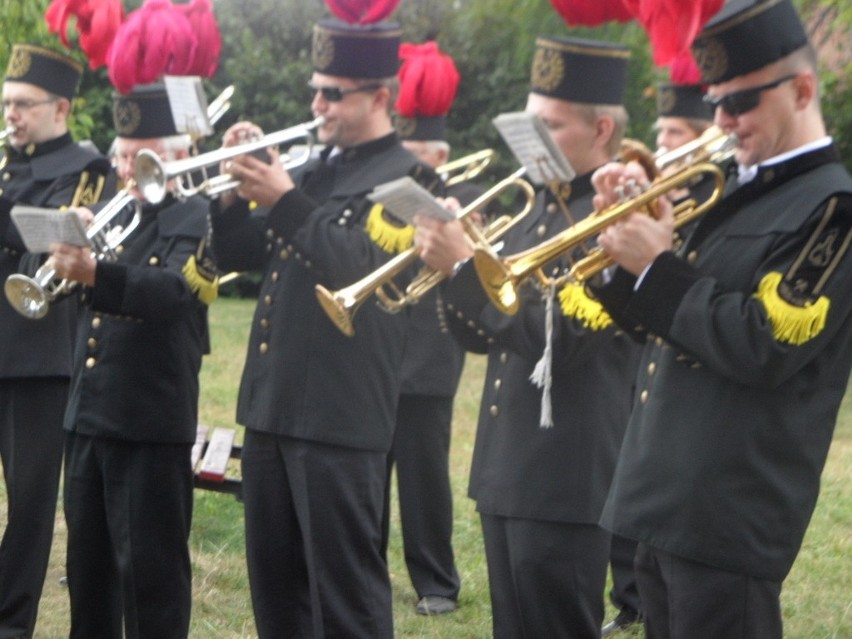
(530, 142)
(39, 227)
(188, 104)
(404, 198)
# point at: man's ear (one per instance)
(381, 97)
(604, 126)
(806, 89)
(63, 108)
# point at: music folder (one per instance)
(40, 227)
(527, 137)
(404, 198)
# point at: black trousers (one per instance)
(128, 506)
(547, 579)
(684, 599)
(313, 539)
(625, 593)
(420, 451)
(31, 412)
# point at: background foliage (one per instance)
(266, 46)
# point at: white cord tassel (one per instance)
(542, 375)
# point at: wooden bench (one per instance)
(210, 460)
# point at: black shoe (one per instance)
(435, 605)
(623, 620)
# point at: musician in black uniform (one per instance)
(319, 406)
(41, 165)
(749, 344)
(432, 365)
(132, 409)
(682, 116)
(542, 464)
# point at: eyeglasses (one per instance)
(25, 105)
(740, 102)
(336, 94)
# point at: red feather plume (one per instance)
(154, 40)
(684, 70)
(428, 80)
(362, 11)
(672, 25)
(591, 13)
(203, 22)
(97, 23)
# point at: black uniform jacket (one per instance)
(743, 373)
(433, 359)
(53, 174)
(304, 378)
(520, 469)
(142, 333)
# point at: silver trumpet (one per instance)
(32, 296)
(153, 174)
(5, 133)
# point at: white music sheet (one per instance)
(39, 227)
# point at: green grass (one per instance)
(817, 598)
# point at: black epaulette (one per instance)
(69, 159)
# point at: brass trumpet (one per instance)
(32, 296)
(465, 168)
(341, 305)
(152, 174)
(502, 278)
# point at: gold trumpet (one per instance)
(153, 175)
(32, 296)
(502, 278)
(341, 305)
(465, 168)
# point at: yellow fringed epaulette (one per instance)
(205, 285)
(386, 234)
(576, 303)
(791, 324)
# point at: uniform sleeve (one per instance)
(10, 238)
(478, 324)
(238, 237)
(152, 293)
(799, 306)
(332, 237)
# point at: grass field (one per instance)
(817, 598)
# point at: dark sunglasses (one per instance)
(336, 94)
(740, 102)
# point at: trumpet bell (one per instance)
(27, 296)
(496, 280)
(338, 307)
(153, 186)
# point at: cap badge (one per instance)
(548, 70)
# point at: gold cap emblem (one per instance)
(322, 50)
(548, 70)
(19, 63)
